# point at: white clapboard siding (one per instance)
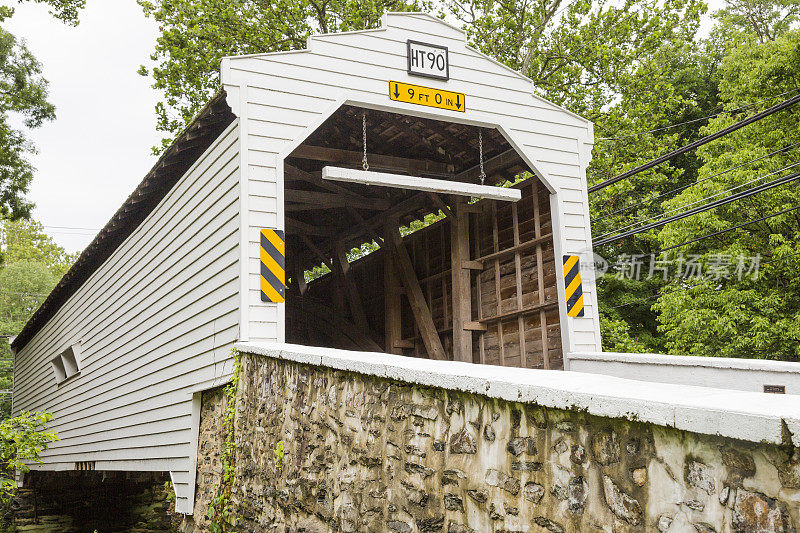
(280, 98)
(155, 320)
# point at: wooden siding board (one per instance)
(155, 319)
(152, 233)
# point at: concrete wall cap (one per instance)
(749, 416)
(687, 360)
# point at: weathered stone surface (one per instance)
(577, 494)
(605, 447)
(519, 445)
(639, 476)
(371, 455)
(463, 442)
(453, 527)
(533, 492)
(495, 478)
(577, 454)
(740, 461)
(453, 502)
(700, 476)
(549, 525)
(480, 496)
(664, 523)
(754, 512)
(399, 526)
(620, 503)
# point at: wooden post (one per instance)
(537, 226)
(422, 314)
(391, 304)
(462, 297)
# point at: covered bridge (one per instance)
(270, 183)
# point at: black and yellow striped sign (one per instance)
(572, 281)
(273, 266)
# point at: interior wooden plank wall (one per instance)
(513, 290)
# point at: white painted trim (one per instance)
(564, 320)
(749, 416)
(690, 361)
(244, 216)
(197, 403)
(369, 177)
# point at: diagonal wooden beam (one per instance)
(346, 279)
(437, 200)
(316, 251)
(295, 174)
(422, 314)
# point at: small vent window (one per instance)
(67, 363)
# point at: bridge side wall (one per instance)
(324, 449)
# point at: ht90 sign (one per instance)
(429, 60)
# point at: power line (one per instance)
(678, 189)
(726, 230)
(678, 208)
(723, 112)
(723, 201)
(700, 142)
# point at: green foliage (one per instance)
(197, 34)
(749, 317)
(22, 440)
(23, 94)
(64, 10)
(220, 510)
(278, 453)
(32, 264)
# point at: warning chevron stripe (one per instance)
(573, 286)
(273, 266)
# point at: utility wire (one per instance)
(678, 189)
(700, 142)
(723, 112)
(678, 208)
(717, 203)
(726, 230)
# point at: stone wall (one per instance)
(327, 450)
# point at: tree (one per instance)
(23, 94)
(197, 34)
(32, 264)
(755, 316)
(65, 10)
(22, 440)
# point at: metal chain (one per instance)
(480, 152)
(364, 163)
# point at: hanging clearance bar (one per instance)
(428, 96)
(400, 181)
(273, 266)
(574, 288)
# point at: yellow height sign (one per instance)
(417, 94)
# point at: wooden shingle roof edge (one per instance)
(187, 147)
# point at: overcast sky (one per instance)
(98, 149)
(96, 152)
